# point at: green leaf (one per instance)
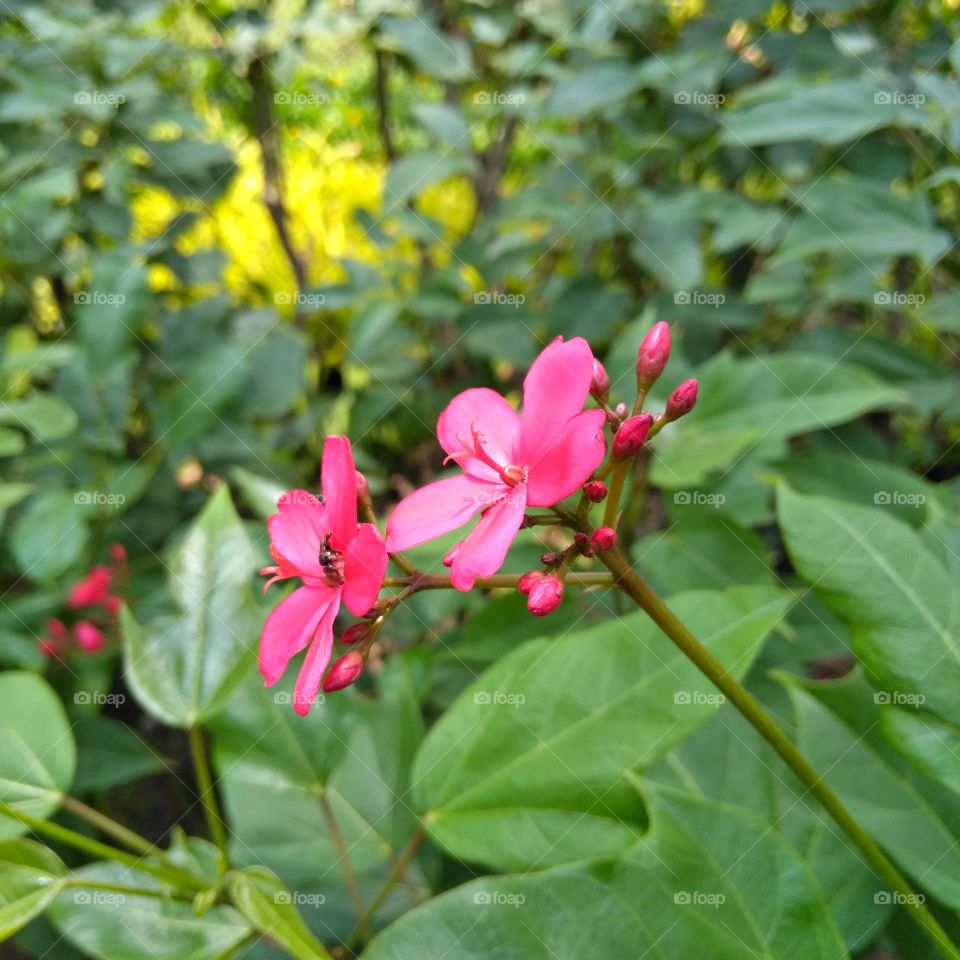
(899, 601)
(122, 926)
(268, 905)
(512, 774)
(931, 745)
(37, 752)
(47, 417)
(762, 399)
(30, 877)
(436, 52)
(182, 669)
(50, 535)
(110, 753)
(879, 797)
(595, 88)
(412, 174)
(701, 881)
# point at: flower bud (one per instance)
(452, 554)
(56, 629)
(682, 400)
(118, 553)
(355, 632)
(363, 488)
(595, 491)
(344, 672)
(652, 355)
(600, 384)
(88, 637)
(545, 595)
(631, 436)
(548, 558)
(113, 604)
(603, 538)
(526, 582)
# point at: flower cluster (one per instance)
(508, 462)
(98, 594)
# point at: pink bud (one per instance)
(548, 558)
(344, 672)
(653, 354)
(112, 604)
(118, 553)
(526, 582)
(631, 436)
(363, 488)
(682, 400)
(603, 538)
(49, 648)
(354, 633)
(545, 595)
(56, 629)
(600, 384)
(88, 637)
(92, 589)
(452, 555)
(595, 491)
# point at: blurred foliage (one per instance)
(228, 229)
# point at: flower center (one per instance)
(511, 474)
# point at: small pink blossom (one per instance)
(337, 560)
(631, 435)
(682, 400)
(603, 538)
(92, 590)
(509, 461)
(653, 354)
(545, 595)
(344, 672)
(89, 637)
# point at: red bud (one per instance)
(344, 672)
(600, 384)
(631, 436)
(355, 632)
(682, 400)
(88, 637)
(603, 538)
(653, 354)
(548, 558)
(363, 488)
(545, 595)
(118, 553)
(526, 582)
(56, 629)
(595, 491)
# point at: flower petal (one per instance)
(338, 478)
(296, 533)
(290, 626)
(437, 509)
(493, 418)
(567, 463)
(314, 663)
(486, 546)
(554, 390)
(364, 564)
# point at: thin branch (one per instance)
(382, 89)
(343, 857)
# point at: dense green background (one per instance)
(449, 186)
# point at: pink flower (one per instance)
(89, 638)
(336, 558)
(509, 462)
(545, 595)
(92, 590)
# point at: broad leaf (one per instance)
(183, 668)
(37, 752)
(527, 768)
(30, 877)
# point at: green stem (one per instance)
(637, 588)
(172, 875)
(433, 581)
(396, 874)
(343, 856)
(81, 883)
(614, 492)
(201, 769)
